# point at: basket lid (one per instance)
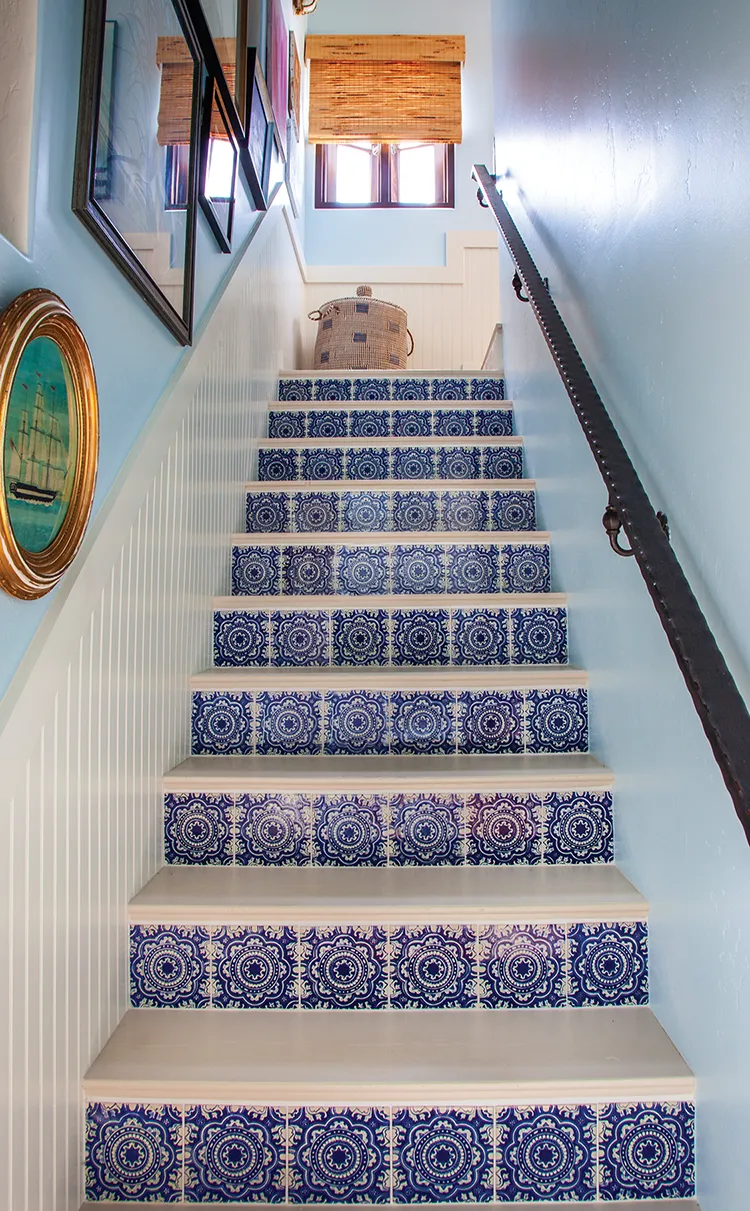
(364, 292)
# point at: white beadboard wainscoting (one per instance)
(100, 710)
(452, 309)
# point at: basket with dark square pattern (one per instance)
(361, 333)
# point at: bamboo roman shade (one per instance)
(176, 98)
(385, 89)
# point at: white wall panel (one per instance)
(100, 710)
(452, 310)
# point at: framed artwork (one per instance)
(49, 434)
(218, 170)
(277, 65)
(135, 184)
(295, 85)
(260, 134)
(293, 169)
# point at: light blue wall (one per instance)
(134, 354)
(362, 237)
(625, 129)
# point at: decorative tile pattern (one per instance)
(356, 723)
(490, 722)
(522, 966)
(344, 967)
(514, 511)
(418, 569)
(289, 724)
(300, 640)
(427, 830)
(133, 1152)
(647, 1151)
(443, 1155)
(546, 1153)
(579, 828)
(283, 425)
(316, 512)
(361, 637)
(454, 422)
(459, 462)
(222, 723)
(433, 967)
(421, 637)
(169, 967)
(273, 830)
(497, 422)
(503, 463)
(450, 388)
(370, 423)
(412, 422)
(295, 389)
(267, 513)
(363, 570)
(198, 830)
(503, 830)
(609, 964)
(254, 968)
(540, 636)
(557, 721)
(241, 639)
(472, 569)
(332, 388)
(327, 424)
(235, 1154)
(423, 722)
(480, 637)
(366, 511)
(465, 510)
(256, 572)
(308, 571)
(415, 511)
(351, 830)
(413, 462)
(323, 464)
(278, 465)
(339, 1156)
(367, 464)
(526, 569)
(488, 388)
(372, 388)
(414, 388)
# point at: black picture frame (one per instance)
(90, 209)
(219, 211)
(260, 127)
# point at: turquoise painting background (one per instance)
(36, 525)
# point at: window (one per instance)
(382, 175)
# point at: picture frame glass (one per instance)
(220, 158)
(227, 23)
(40, 443)
(145, 139)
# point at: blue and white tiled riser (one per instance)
(283, 464)
(378, 722)
(391, 422)
(373, 387)
(356, 638)
(273, 511)
(312, 569)
(389, 1154)
(417, 829)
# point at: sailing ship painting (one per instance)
(39, 445)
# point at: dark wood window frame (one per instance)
(384, 181)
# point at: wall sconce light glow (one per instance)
(303, 7)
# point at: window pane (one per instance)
(354, 174)
(416, 175)
(220, 175)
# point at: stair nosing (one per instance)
(447, 677)
(382, 485)
(388, 443)
(391, 405)
(454, 538)
(466, 601)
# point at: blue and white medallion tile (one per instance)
(412, 422)
(523, 967)
(256, 571)
(254, 968)
(351, 830)
(525, 569)
(423, 722)
(344, 967)
(273, 830)
(450, 388)
(421, 637)
(433, 967)
(372, 388)
(327, 424)
(356, 724)
(540, 636)
(411, 388)
(427, 830)
(333, 388)
(284, 425)
(316, 513)
(301, 640)
(609, 964)
(296, 389)
(234, 1154)
(361, 638)
(306, 387)
(170, 966)
(435, 420)
(557, 721)
(279, 464)
(443, 1155)
(546, 1154)
(647, 1151)
(133, 1152)
(503, 830)
(288, 724)
(339, 1155)
(480, 637)
(490, 722)
(198, 830)
(579, 828)
(241, 639)
(370, 422)
(267, 513)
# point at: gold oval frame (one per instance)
(36, 313)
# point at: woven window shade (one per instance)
(385, 89)
(176, 97)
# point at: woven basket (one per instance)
(361, 334)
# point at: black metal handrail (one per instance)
(717, 700)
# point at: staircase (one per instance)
(389, 958)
